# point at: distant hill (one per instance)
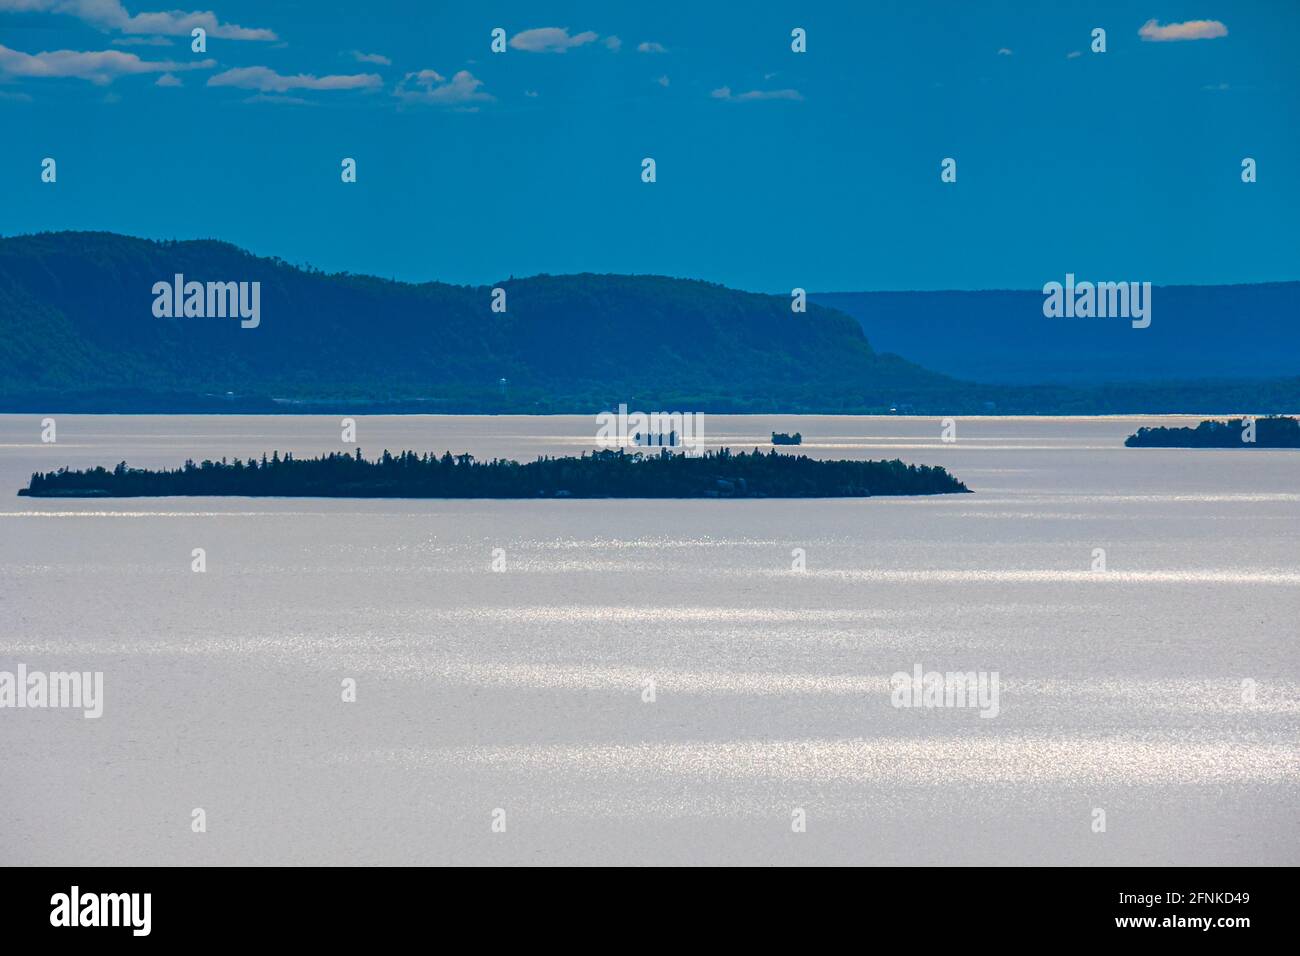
(1196, 332)
(76, 318)
(78, 333)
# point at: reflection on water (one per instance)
(1164, 689)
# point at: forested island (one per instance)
(1277, 432)
(602, 474)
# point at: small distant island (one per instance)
(781, 438)
(1275, 432)
(602, 474)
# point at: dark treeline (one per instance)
(602, 474)
(1269, 433)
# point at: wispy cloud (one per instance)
(266, 80)
(550, 40)
(168, 79)
(1191, 30)
(112, 15)
(650, 46)
(429, 86)
(1073, 54)
(724, 93)
(141, 41)
(377, 58)
(278, 98)
(1004, 51)
(100, 67)
(663, 80)
(613, 43)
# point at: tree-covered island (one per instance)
(1276, 432)
(601, 474)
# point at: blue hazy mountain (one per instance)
(1196, 332)
(79, 314)
(83, 328)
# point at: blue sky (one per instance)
(775, 169)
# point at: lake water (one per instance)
(522, 690)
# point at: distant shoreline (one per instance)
(1227, 405)
(340, 412)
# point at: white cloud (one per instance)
(1191, 30)
(613, 43)
(550, 40)
(663, 80)
(141, 41)
(724, 93)
(168, 79)
(650, 47)
(15, 97)
(1004, 51)
(429, 86)
(377, 58)
(1073, 55)
(112, 15)
(99, 67)
(278, 98)
(268, 81)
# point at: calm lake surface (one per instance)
(1120, 690)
